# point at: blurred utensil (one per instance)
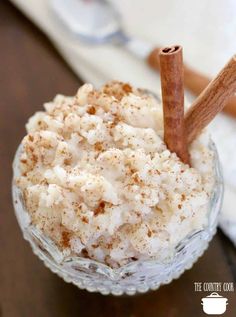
(98, 22)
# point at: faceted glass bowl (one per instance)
(138, 276)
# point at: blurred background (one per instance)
(53, 46)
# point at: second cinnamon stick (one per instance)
(211, 101)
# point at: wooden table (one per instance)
(31, 72)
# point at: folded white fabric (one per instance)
(199, 26)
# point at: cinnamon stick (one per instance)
(211, 101)
(193, 80)
(172, 85)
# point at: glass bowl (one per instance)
(136, 277)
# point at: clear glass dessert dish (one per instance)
(137, 276)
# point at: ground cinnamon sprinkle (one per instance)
(115, 121)
(91, 110)
(34, 158)
(31, 138)
(118, 90)
(100, 208)
(98, 146)
(127, 88)
(65, 239)
(85, 219)
(67, 161)
(136, 178)
(149, 233)
(85, 253)
(109, 245)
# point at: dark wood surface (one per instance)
(32, 72)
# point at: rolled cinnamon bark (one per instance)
(172, 85)
(211, 101)
(193, 80)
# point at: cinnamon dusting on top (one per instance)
(117, 89)
(100, 208)
(91, 110)
(65, 239)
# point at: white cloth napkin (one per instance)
(206, 30)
